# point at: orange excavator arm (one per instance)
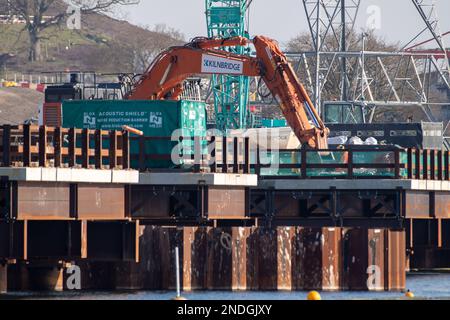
(165, 76)
(294, 101)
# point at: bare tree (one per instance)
(332, 89)
(145, 49)
(381, 86)
(35, 15)
(4, 57)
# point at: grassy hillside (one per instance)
(103, 44)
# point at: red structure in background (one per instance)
(437, 54)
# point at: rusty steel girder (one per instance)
(328, 208)
(178, 205)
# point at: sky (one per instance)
(397, 21)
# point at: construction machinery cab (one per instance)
(55, 94)
(344, 112)
(50, 114)
(77, 86)
(66, 91)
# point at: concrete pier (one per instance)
(46, 278)
(97, 275)
(283, 258)
(3, 278)
(428, 243)
(155, 269)
(35, 277)
(237, 258)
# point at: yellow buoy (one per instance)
(179, 299)
(314, 296)
(409, 294)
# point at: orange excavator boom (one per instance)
(164, 79)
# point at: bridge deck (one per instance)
(356, 184)
(211, 179)
(70, 175)
(53, 210)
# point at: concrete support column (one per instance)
(285, 237)
(46, 278)
(239, 258)
(331, 240)
(377, 270)
(24, 277)
(219, 261)
(97, 275)
(395, 260)
(308, 260)
(18, 277)
(156, 267)
(194, 258)
(188, 239)
(316, 259)
(3, 278)
(262, 273)
(374, 259)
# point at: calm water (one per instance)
(428, 286)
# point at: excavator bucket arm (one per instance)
(290, 94)
(164, 78)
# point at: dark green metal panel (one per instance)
(153, 118)
(274, 123)
(225, 15)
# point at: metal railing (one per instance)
(197, 154)
(359, 163)
(34, 146)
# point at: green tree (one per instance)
(39, 15)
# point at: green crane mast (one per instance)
(228, 18)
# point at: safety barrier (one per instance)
(213, 154)
(384, 162)
(29, 145)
